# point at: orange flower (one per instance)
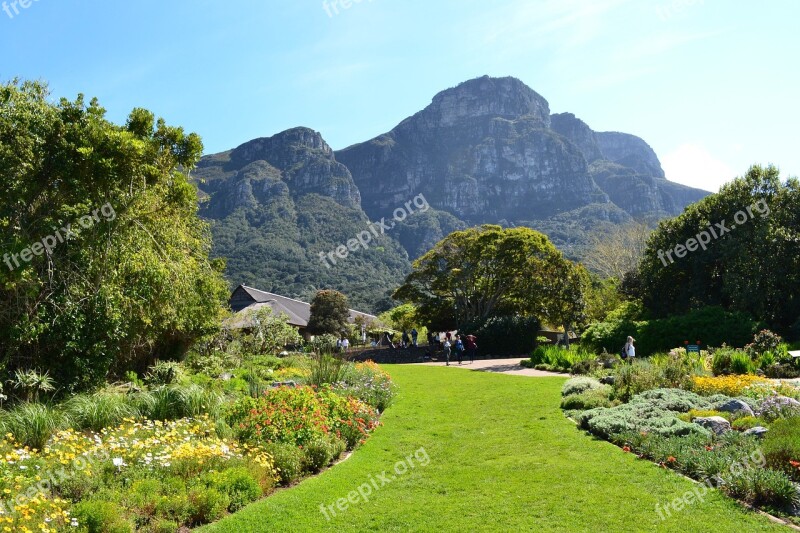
(626, 449)
(671, 459)
(709, 448)
(795, 464)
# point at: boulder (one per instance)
(758, 431)
(717, 424)
(736, 406)
(608, 380)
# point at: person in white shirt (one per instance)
(630, 349)
(345, 344)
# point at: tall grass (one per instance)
(169, 402)
(326, 369)
(32, 424)
(99, 410)
(558, 357)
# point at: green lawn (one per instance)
(502, 458)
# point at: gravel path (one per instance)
(500, 366)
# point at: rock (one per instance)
(717, 424)
(758, 431)
(608, 380)
(736, 406)
(225, 376)
(289, 383)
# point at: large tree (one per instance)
(106, 261)
(739, 249)
(616, 251)
(488, 271)
(329, 313)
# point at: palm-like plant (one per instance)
(31, 383)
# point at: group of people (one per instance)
(459, 346)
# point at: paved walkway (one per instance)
(500, 366)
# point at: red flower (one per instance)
(709, 448)
(795, 464)
(626, 449)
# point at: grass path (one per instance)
(502, 458)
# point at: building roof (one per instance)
(246, 300)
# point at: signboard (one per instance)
(692, 348)
(795, 354)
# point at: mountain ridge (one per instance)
(486, 151)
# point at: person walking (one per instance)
(471, 346)
(630, 350)
(404, 338)
(414, 335)
(459, 349)
(447, 352)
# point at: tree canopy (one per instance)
(105, 260)
(330, 313)
(750, 262)
(479, 273)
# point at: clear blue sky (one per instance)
(711, 84)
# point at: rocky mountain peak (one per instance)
(488, 97)
(288, 146)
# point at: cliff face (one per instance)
(489, 150)
(294, 162)
(483, 151)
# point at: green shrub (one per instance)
(206, 505)
(32, 424)
(98, 516)
(319, 452)
(288, 461)
(782, 445)
(508, 335)
(240, 486)
(714, 326)
(585, 367)
(165, 526)
(589, 399)
(766, 360)
(326, 369)
(560, 358)
(632, 379)
(741, 363)
(747, 422)
(759, 486)
(99, 410)
(676, 400)
(579, 385)
(609, 423)
(164, 373)
(721, 361)
(367, 382)
(170, 402)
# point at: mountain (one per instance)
(489, 150)
(486, 151)
(276, 203)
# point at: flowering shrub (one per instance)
(760, 390)
(368, 383)
(37, 485)
(299, 415)
(727, 385)
(775, 407)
